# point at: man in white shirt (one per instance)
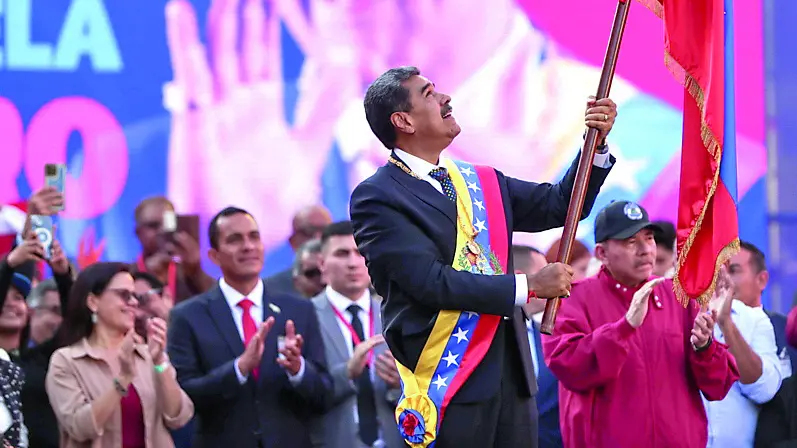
(748, 270)
(751, 340)
(366, 381)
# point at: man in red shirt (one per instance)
(630, 359)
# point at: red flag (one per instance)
(12, 220)
(708, 232)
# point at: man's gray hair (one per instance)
(38, 292)
(384, 97)
(310, 247)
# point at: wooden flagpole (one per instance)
(585, 161)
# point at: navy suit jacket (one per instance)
(203, 344)
(549, 433)
(779, 324)
(406, 230)
(282, 283)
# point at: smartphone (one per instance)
(280, 346)
(189, 224)
(169, 221)
(42, 227)
(55, 176)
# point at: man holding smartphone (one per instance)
(162, 244)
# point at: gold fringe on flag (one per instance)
(714, 148)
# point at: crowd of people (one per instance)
(154, 352)
(415, 323)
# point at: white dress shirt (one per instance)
(533, 346)
(422, 168)
(732, 421)
(340, 302)
(233, 297)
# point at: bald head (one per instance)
(308, 224)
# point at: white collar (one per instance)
(416, 164)
(233, 296)
(341, 302)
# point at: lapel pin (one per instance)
(274, 308)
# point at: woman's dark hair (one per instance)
(77, 319)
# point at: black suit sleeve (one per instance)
(773, 429)
(6, 274)
(316, 382)
(64, 283)
(205, 389)
(538, 207)
(399, 252)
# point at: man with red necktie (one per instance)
(252, 361)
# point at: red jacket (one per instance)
(621, 387)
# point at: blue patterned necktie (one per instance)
(441, 175)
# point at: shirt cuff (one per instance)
(241, 377)
(602, 160)
(296, 379)
(521, 290)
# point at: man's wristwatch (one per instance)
(705, 346)
(602, 147)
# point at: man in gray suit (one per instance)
(366, 382)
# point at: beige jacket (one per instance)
(78, 375)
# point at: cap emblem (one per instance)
(633, 211)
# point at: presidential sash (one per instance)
(459, 340)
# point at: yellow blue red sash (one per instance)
(459, 340)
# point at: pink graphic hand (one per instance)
(230, 142)
(519, 102)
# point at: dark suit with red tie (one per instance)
(267, 411)
(406, 230)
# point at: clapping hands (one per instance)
(291, 359)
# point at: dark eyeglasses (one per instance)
(312, 273)
(124, 294)
(145, 297)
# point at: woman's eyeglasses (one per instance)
(124, 294)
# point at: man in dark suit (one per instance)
(307, 225)
(748, 269)
(529, 261)
(436, 235)
(224, 346)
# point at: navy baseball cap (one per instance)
(21, 283)
(620, 220)
(21, 280)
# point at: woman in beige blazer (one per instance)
(107, 389)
